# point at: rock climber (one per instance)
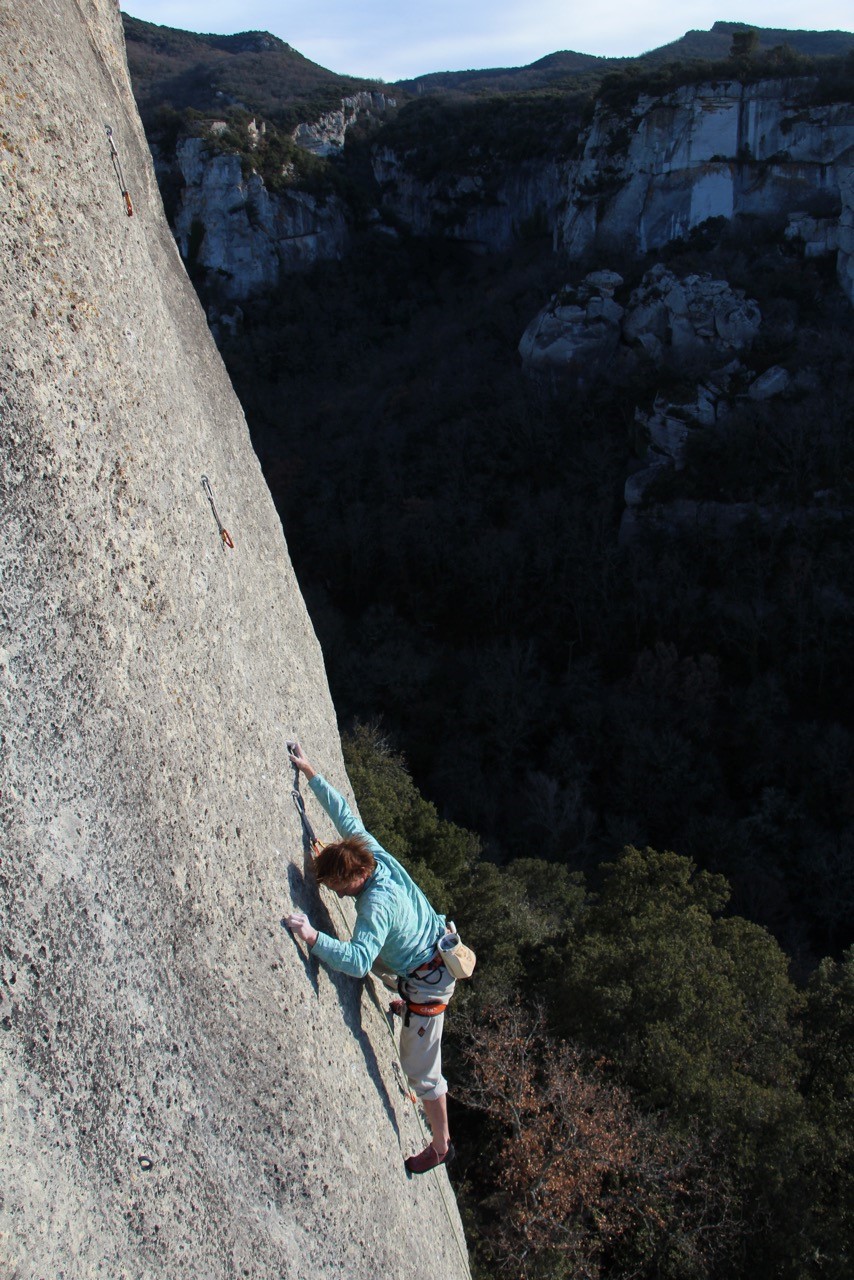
(397, 933)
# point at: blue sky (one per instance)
(402, 38)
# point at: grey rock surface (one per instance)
(483, 209)
(184, 1092)
(326, 135)
(242, 235)
(577, 334)
(773, 382)
(652, 171)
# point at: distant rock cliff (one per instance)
(243, 236)
(652, 172)
(185, 1094)
(642, 175)
(486, 212)
(327, 135)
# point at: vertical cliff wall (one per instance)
(653, 170)
(183, 1093)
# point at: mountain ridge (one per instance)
(233, 62)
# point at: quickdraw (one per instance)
(312, 844)
(117, 165)
(223, 532)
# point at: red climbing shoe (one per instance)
(429, 1159)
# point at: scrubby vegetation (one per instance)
(207, 74)
(441, 135)
(822, 79)
(184, 82)
(640, 1089)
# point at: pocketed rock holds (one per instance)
(578, 333)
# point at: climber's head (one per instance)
(344, 867)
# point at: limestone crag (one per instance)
(242, 235)
(326, 135)
(484, 210)
(674, 323)
(577, 334)
(651, 172)
(184, 1092)
(583, 328)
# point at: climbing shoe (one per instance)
(429, 1159)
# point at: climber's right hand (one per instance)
(299, 923)
(300, 760)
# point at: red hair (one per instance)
(338, 863)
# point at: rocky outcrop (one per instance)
(675, 324)
(242, 235)
(653, 171)
(583, 328)
(577, 334)
(184, 1092)
(326, 135)
(485, 210)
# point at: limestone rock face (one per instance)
(583, 328)
(241, 234)
(184, 1092)
(576, 335)
(692, 313)
(651, 173)
(326, 135)
(478, 209)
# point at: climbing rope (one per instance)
(117, 165)
(223, 532)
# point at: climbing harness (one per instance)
(431, 1010)
(117, 165)
(429, 974)
(223, 532)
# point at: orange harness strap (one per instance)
(431, 1010)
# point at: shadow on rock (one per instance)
(305, 896)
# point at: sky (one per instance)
(399, 39)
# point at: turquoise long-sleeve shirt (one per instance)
(394, 920)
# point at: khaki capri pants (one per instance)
(421, 1038)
